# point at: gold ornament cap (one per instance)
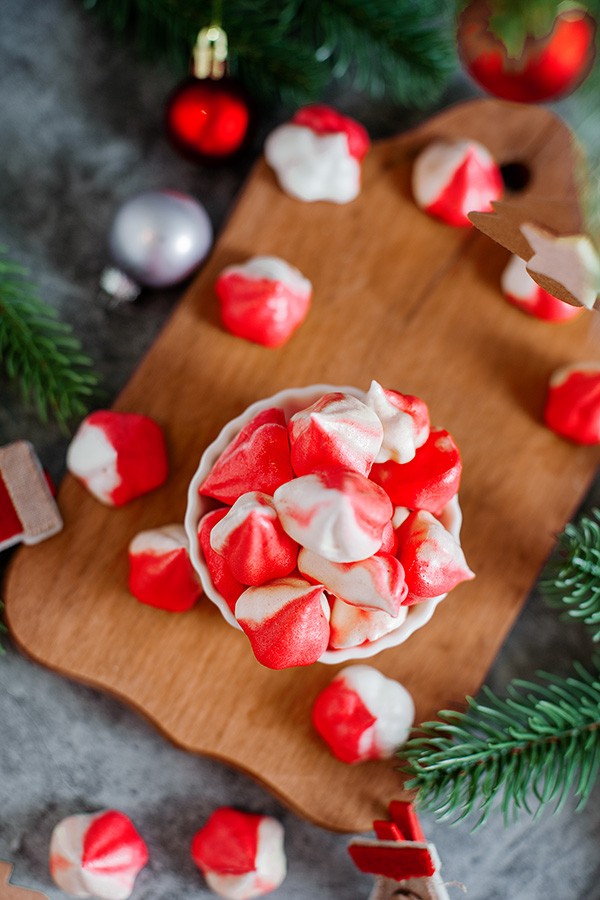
(210, 53)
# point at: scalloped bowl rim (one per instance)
(290, 400)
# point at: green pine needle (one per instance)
(291, 49)
(571, 581)
(39, 352)
(540, 744)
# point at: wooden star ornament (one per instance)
(550, 236)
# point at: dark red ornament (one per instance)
(207, 118)
(547, 68)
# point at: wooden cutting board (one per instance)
(398, 297)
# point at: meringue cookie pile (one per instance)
(331, 524)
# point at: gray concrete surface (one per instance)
(80, 130)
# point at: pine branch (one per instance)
(571, 581)
(403, 50)
(538, 745)
(290, 49)
(39, 352)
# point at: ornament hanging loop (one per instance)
(210, 53)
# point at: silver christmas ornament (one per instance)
(156, 240)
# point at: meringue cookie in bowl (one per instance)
(349, 581)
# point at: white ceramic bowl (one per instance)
(291, 401)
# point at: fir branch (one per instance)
(404, 50)
(39, 352)
(290, 49)
(571, 580)
(538, 745)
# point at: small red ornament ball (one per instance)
(549, 67)
(208, 119)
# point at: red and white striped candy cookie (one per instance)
(241, 855)
(118, 456)
(97, 855)
(225, 583)
(338, 514)
(429, 481)
(405, 421)
(450, 180)
(432, 558)
(363, 715)
(160, 570)
(252, 541)
(375, 583)
(522, 291)
(258, 459)
(286, 621)
(318, 155)
(264, 300)
(573, 402)
(351, 626)
(338, 431)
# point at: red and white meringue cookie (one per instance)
(258, 459)
(228, 587)
(405, 421)
(97, 855)
(363, 715)
(521, 290)
(432, 558)
(252, 541)
(338, 514)
(241, 855)
(374, 583)
(286, 621)
(352, 626)
(342, 539)
(318, 155)
(573, 402)
(450, 180)
(338, 431)
(429, 481)
(263, 300)
(118, 456)
(160, 571)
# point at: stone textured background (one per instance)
(81, 130)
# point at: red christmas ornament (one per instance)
(208, 115)
(208, 119)
(547, 67)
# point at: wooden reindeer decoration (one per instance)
(404, 864)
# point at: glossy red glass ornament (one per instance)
(548, 67)
(208, 119)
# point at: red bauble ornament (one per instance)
(547, 68)
(208, 119)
